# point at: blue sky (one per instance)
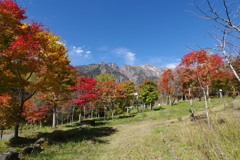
(132, 32)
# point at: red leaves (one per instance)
(86, 90)
(199, 67)
(166, 82)
(7, 110)
(10, 7)
(34, 112)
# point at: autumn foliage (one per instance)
(35, 68)
(30, 54)
(86, 90)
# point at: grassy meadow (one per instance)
(165, 132)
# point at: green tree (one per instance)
(148, 92)
(103, 77)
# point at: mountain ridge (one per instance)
(136, 73)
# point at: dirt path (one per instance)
(142, 140)
(10, 135)
(137, 141)
(7, 136)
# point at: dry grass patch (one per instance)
(220, 141)
(136, 141)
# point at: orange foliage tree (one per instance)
(201, 68)
(110, 93)
(56, 91)
(29, 55)
(166, 84)
(7, 111)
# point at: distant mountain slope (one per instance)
(136, 73)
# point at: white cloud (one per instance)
(172, 65)
(77, 50)
(80, 55)
(129, 57)
(87, 54)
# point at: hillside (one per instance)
(136, 73)
(163, 133)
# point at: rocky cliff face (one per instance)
(136, 73)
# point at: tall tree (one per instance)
(29, 55)
(86, 91)
(201, 68)
(56, 89)
(148, 92)
(110, 93)
(166, 84)
(130, 90)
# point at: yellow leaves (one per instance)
(24, 25)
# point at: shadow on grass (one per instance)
(158, 109)
(99, 123)
(126, 116)
(78, 134)
(20, 141)
(61, 136)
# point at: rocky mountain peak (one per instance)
(136, 73)
(114, 66)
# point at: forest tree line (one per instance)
(38, 84)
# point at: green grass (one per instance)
(162, 133)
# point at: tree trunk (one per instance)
(220, 93)
(80, 115)
(2, 128)
(57, 119)
(206, 105)
(112, 113)
(40, 123)
(229, 63)
(21, 130)
(17, 123)
(104, 113)
(16, 129)
(170, 100)
(84, 112)
(73, 110)
(191, 103)
(207, 93)
(54, 115)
